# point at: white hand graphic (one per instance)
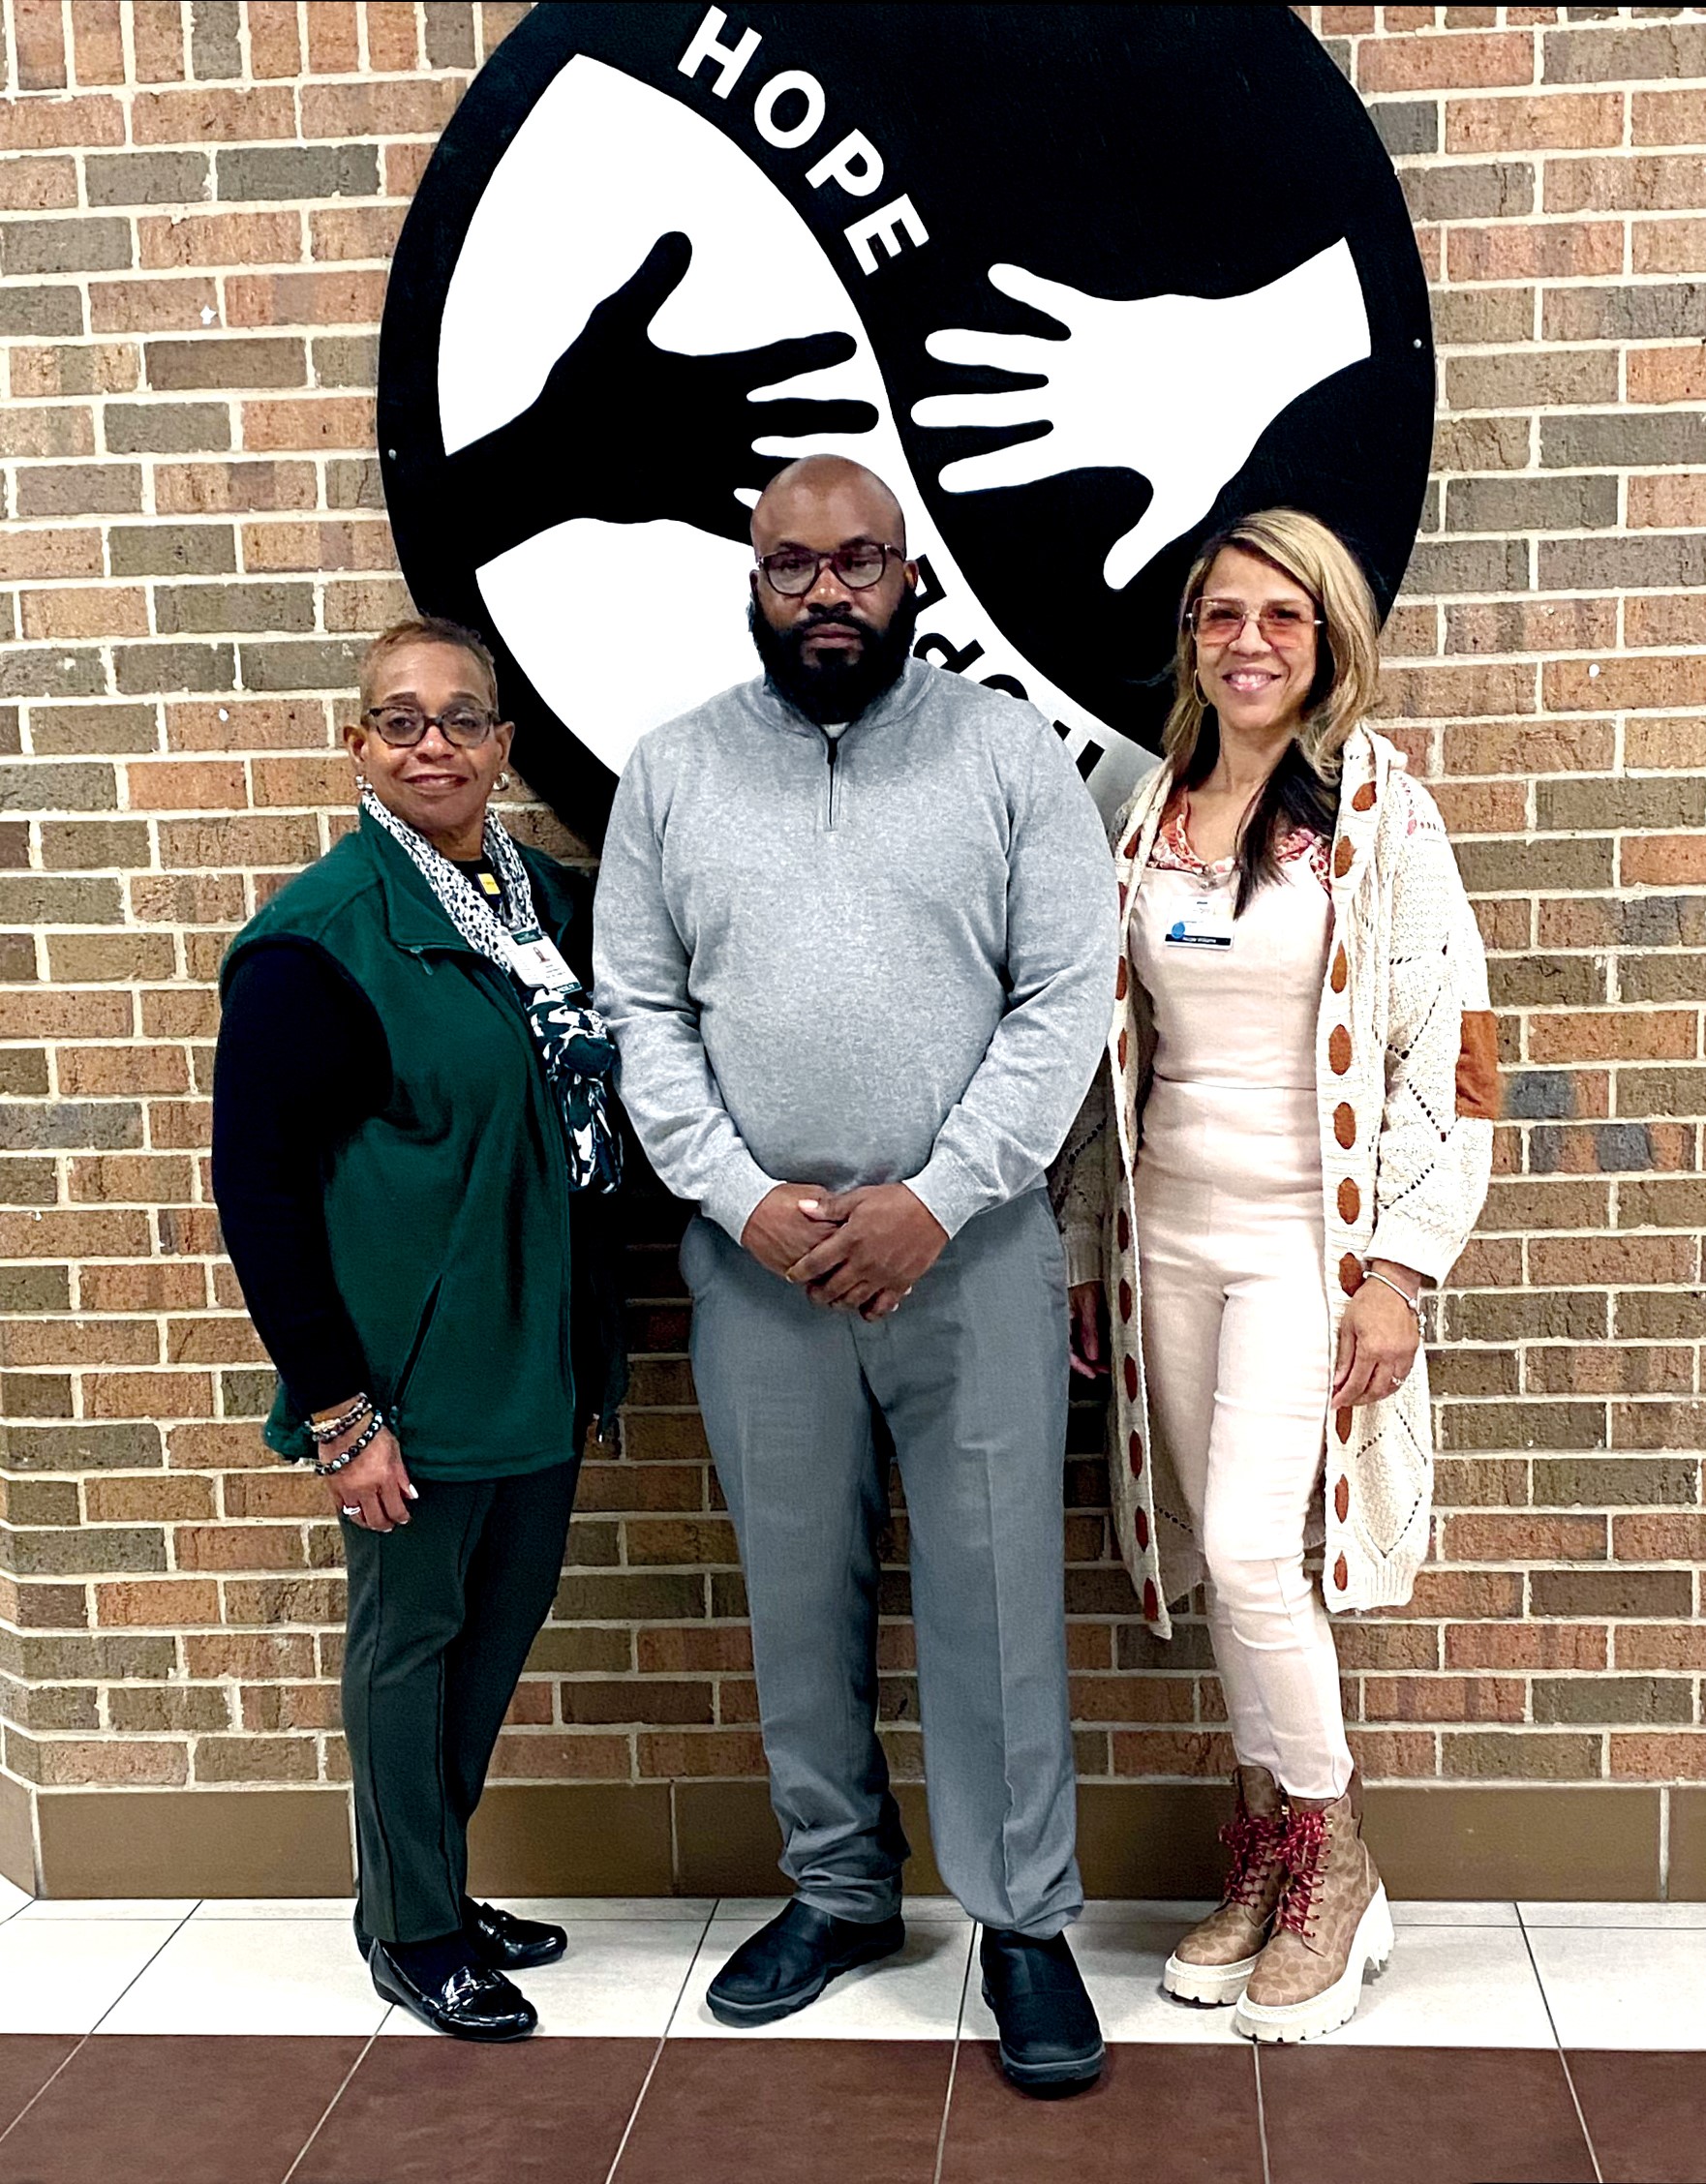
(1178, 388)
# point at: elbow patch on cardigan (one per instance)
(1478, 1093)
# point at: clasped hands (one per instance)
(859, 1251)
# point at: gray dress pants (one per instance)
(970, 1377)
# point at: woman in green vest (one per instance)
(414, 1145)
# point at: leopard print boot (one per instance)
(1214, 1960)
(1332, 1924)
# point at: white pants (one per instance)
(1236, 1342)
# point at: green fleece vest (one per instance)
(448, 1211)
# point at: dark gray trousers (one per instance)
(443, 1612)
(970, 1377)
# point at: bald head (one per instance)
(826, 499)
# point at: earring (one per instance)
(501, 784)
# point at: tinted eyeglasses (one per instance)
(793, 571)
(402, 726)
(1285, 624)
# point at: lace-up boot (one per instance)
(1331, 1925)
(1215, 1959)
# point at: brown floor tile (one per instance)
(449, 2111)
(146, 2111)
(27, 2061)
(1181, 2113)
(1646, 2115)
(762, 2111)
(1421, 2115)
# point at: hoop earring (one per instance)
(501, 783)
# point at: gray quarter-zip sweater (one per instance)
(883, 958)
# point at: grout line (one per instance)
(84, 2040)
(954, 2056)
(1563, 2058)
(343, 2088)
(657, 2052)
(1261, 2111)
(148, 1966)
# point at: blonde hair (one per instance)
(1346, 680)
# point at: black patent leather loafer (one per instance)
(1049, 2036)
(789, 1963)
(509, 1944)
(474, 2003)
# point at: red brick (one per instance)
(274, 47)
(1665, 374)
(305, 299)
(334, 38)
(38, 28)
(157, 29)
(1663, 861)
(212, 114)
(1545, 121)
(314, 422)
(219, 240)
(1454, 62)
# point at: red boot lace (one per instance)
(1305, 1853)
(1255, 1841)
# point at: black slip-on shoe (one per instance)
(789, 1963)
(506, 1942)
(1049, 2036)
(474, 2003)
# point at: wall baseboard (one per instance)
(1136, 1840)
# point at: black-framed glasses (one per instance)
(1281, 622)
(402, 726)
(794, 571)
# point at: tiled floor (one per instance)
(241, 2043)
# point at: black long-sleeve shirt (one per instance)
(302, 1059)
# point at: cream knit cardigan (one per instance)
(1406, 1082)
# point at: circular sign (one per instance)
(1079, 283)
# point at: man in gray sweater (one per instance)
(856, 941)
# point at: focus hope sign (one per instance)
(1080, 283)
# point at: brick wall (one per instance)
(199, 203)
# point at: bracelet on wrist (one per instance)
(1397, 1289)
(322, 1429)
(330, 1467)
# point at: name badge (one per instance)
(1207, 921)
(535, 961)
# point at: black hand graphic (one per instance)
(626, 432)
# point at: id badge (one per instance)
(1207, 921)
(535, 960)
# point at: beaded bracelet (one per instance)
(333, 1429)
(375, 1426)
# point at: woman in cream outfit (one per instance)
(1292, 1136)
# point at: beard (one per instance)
(837, 688)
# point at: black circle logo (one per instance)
(1080, 283)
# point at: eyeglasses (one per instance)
(793, 571)
(402, 727)
(1284, 624)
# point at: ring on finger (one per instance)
(351, 1511)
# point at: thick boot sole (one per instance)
(738, 2014)
(1073, 2070)
(1213, 1985)
(1335, 2005)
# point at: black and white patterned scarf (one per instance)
(574, 1044)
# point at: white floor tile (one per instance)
(1679, 1917)
(250, 1907)
(574, 1910)
(1121, 1961)
(1419, 1913)
(1616, 1987)
(1136, 1910)
(116, 1909)
(1452, 1987)
(12, 1897)
(914, 1994)
(62, 1976)
(620, 1978)
(249, 1975)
